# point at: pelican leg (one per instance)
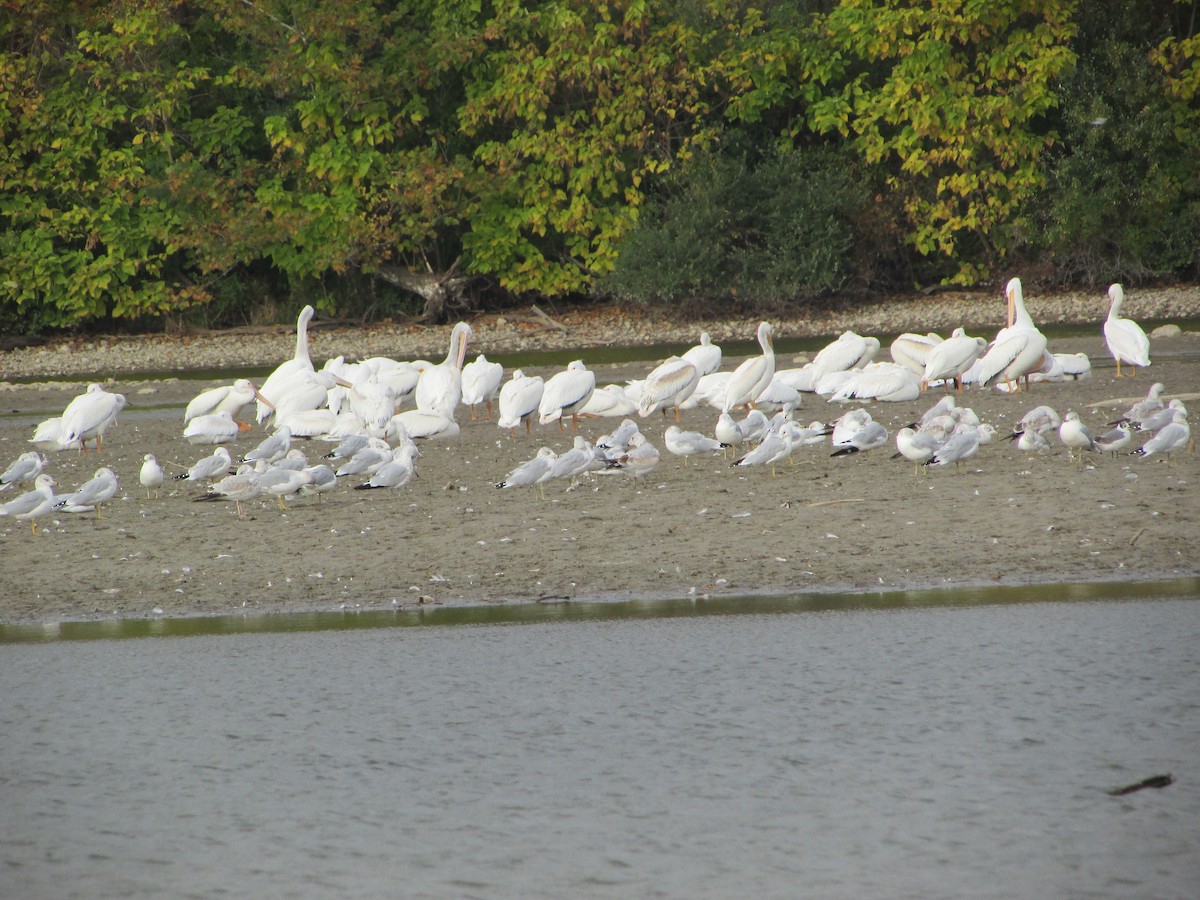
(528, 426)
(489, 410)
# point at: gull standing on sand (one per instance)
(23, 469)
(754, 374)
(1040, 419)
(396, 473)
(962, 444)
(639, 459)
(688, 443)
(151, 475)
(1115, 440)
(273, 448)
(209, 467)
(1125, 339)
(1075, 436)
(1145, 407)
(243, 485)
(916, 446)
(869, 437)
(566, 393)
(1167, 440)
(531, 472)
(34, 504)
(92, 494)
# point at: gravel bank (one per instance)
(581, 326)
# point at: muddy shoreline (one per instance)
(859, 523)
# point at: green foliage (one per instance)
(783, 228)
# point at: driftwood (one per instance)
(1154, 781)
(547, 321)
(1129, 401)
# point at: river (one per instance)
(773, 751)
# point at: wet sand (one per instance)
(859, 523)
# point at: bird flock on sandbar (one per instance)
(372, 440)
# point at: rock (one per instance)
(1168, 330)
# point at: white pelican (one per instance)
(916, 446)
(519, 399)
(401, 377)
(305, 391)
(608, 402)
(209, 467)
(481, 384)
(317, 422)
(89, 416)
(688, 443)
(754, 374)
(705, 356)
(1126, 341)
(151, 475)
(1115, 440)
(243, 485)
(869, 437)
(887, 382)
(395, 473)
(439, 389)
(668, 385)
(1018, 349)
(48, 435)
(848, 351)
(950, 359)
(214, 428)
(423, 425)
(1065, 367)
(566, 393)
(373, 401)
(300, 362)
(92, 494)
(1166, 440)
(228, 397)
(710, 391)
(532, 472)
(32, 505)
(912, 350)
(24, 468)
(961, 445)
(777, 396)
(271, 448)
(1075, 436)
(802, 378)
(639, 459)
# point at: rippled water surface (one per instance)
(903, 752)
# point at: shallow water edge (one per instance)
(598, 609)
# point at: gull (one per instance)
(439, 389)
(532, 472)
(871, 435)
(366, 460)
(92, 494)
(1040, 419)
(950, 360)
(1125, 339)
(294, 459)
(395, 473)
(213, 428)
(705, 356)
(579, 459)
(774, 447)
(1157, 420)
(754, 426)
(519, 399)
(151, 475)
(209, 467)
(1033, 442)
(727, 432)
(1075, 435)
(348, 446)
(273, 448)
(688, 443)
(915, 446)
(566, 393)
(618, 438)
(848, 425)
(481, 384)
(1152, 403)
(321, 480)
(1115, 440)
(282, 483)
(32, 505)
(21, 470)
(667, 386)
(239, 487)
(638, 460)
(962, 444)
(1166, 440)
(754, 374)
